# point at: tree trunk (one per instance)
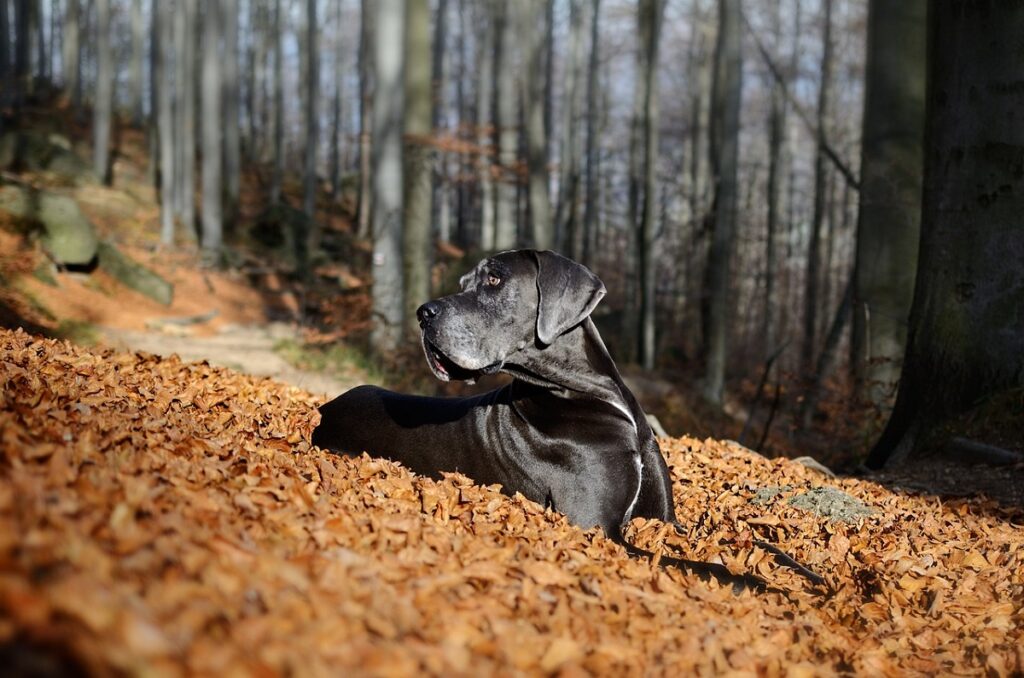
(277, 174)
(366, 99)
(966, 333)
(71, 51)
(439, 211)
(211, 126)
(593, 112)
(566, 217)
(185, 28)
(165, 117)
(814, 275)
(5, 57)
(138, 57)
(724, 156)
(306, 243)
(506, 132)
(892, 165)
(231, 94)
(335, 154)
(649, 30)
(484, 126)
(416, 227)
(103, 107)
(532, 12)
(388, 105)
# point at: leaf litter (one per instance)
(167, 518)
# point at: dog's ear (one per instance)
(566, 294)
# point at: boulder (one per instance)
(35, 152)
(134, 275)
(66, 233)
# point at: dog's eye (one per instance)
(493, 280)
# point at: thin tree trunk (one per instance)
(138, 57)
(566, 217)
(416, 227)
(308, 242)
(335, 154)
(22, 50)
(593, 112)
(506, 133)
(388, 105)
(536, 140)
(439, 211)
(277, 174)
(152, 123)
(366, 100)
(162, 36)
(186, 100)
(892, 163)
(484, 126)
(212, 218)
(649, 25)
(5, 57)
(813, 278)
(103, 108)
(724, 155)
(71, 51)
(231, 94)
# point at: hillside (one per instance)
(162, 518)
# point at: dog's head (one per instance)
(513, 301)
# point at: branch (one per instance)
(816, 131)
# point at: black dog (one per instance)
(566, 432)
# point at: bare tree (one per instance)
(70, 58)
(135, 83)
(335, 153)
(388, 104)
(484, 123)
(724, 155)
(566, 218)
(185, 100)
(892, 165)
(103, 108)
(593, 112)
(649, 14)
(162, 83)
(506, 133)
(5, 57)
(312, 59)
(440, 204)
(231, 95)
(966, 336)
(813, 278)
(532, 13)
(366, 69)
(277, 174)
(416, 222)
(212, 217)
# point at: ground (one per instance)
(163, 517)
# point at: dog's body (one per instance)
(566, 433)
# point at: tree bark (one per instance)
(185, 97)
(138, 57)
(312, 58)
(365, 117)
(416, 226)
(506, 132)
(649, 25)
(212, 218)
(165, 118)
(335, 154)
(813, 278)
(484, 127)
(567, 217)
(277, 174)
(388, 105)
(892, 166)
(532, 13)
(5, 57)
(72, 52)
(966, 333)
(593, 112)
(440, 210)
(103, 107)
(232, 95)
(723, 150)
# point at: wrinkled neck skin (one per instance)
(558, 368)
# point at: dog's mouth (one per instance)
(446, 369)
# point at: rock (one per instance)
(67, 234)
(134, 275)
(37, 152)
(831, 503)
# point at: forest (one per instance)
(215, 216)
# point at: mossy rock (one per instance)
(134, 275)
(35, 152)
(66, 233)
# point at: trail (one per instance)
(249, 349)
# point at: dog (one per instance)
(566, 432)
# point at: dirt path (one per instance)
(247, 349)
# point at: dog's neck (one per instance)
(558, 367)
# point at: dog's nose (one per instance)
(428, 311)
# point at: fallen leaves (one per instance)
(170, 518)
